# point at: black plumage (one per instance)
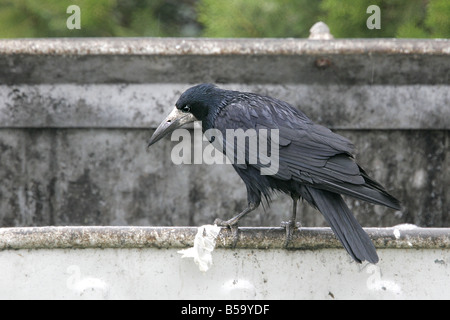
(314, 163)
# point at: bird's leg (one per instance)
(233, 222)
(290, 225)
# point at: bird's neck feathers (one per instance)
(217, 102)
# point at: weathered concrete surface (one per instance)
(149, 273)
(107, 177)
(404, 236)
(144, 105)
(218, 47)
(75, 116)
(267, 61)
(144, 263)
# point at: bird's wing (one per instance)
(308, 153)
(306, 150)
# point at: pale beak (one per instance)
(173, 121)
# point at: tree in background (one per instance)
(216, 18)
(99, 18)
(157, 18)
(28, 18)
(346, 18)
(438, 18)
(399, 18)
(256, 18)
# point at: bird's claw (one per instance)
(290, 227)
(232, 226)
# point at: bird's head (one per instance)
(195, 104)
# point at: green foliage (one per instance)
(157, 18)
(438, 18)
(31, 18)
(218, 18)
(399, 18)
(99, 18)
(257, 18)
(346, 18)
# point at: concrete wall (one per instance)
(144, 263)
(75, 115)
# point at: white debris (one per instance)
(402, 227)
(204, 244)
(320, 31)
(406, 226)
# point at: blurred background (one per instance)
(231, 18)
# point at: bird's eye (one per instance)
(186, 108)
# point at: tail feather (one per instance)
(367, 192)
(371, 191)
(384, 197)
(344, 225)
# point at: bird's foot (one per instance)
(290, 227)
(233, 226)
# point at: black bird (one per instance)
(314, 163)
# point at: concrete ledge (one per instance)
(144, 263)
(212, 47)
(398, 237)
(177, 60)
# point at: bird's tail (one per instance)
(344, 225)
